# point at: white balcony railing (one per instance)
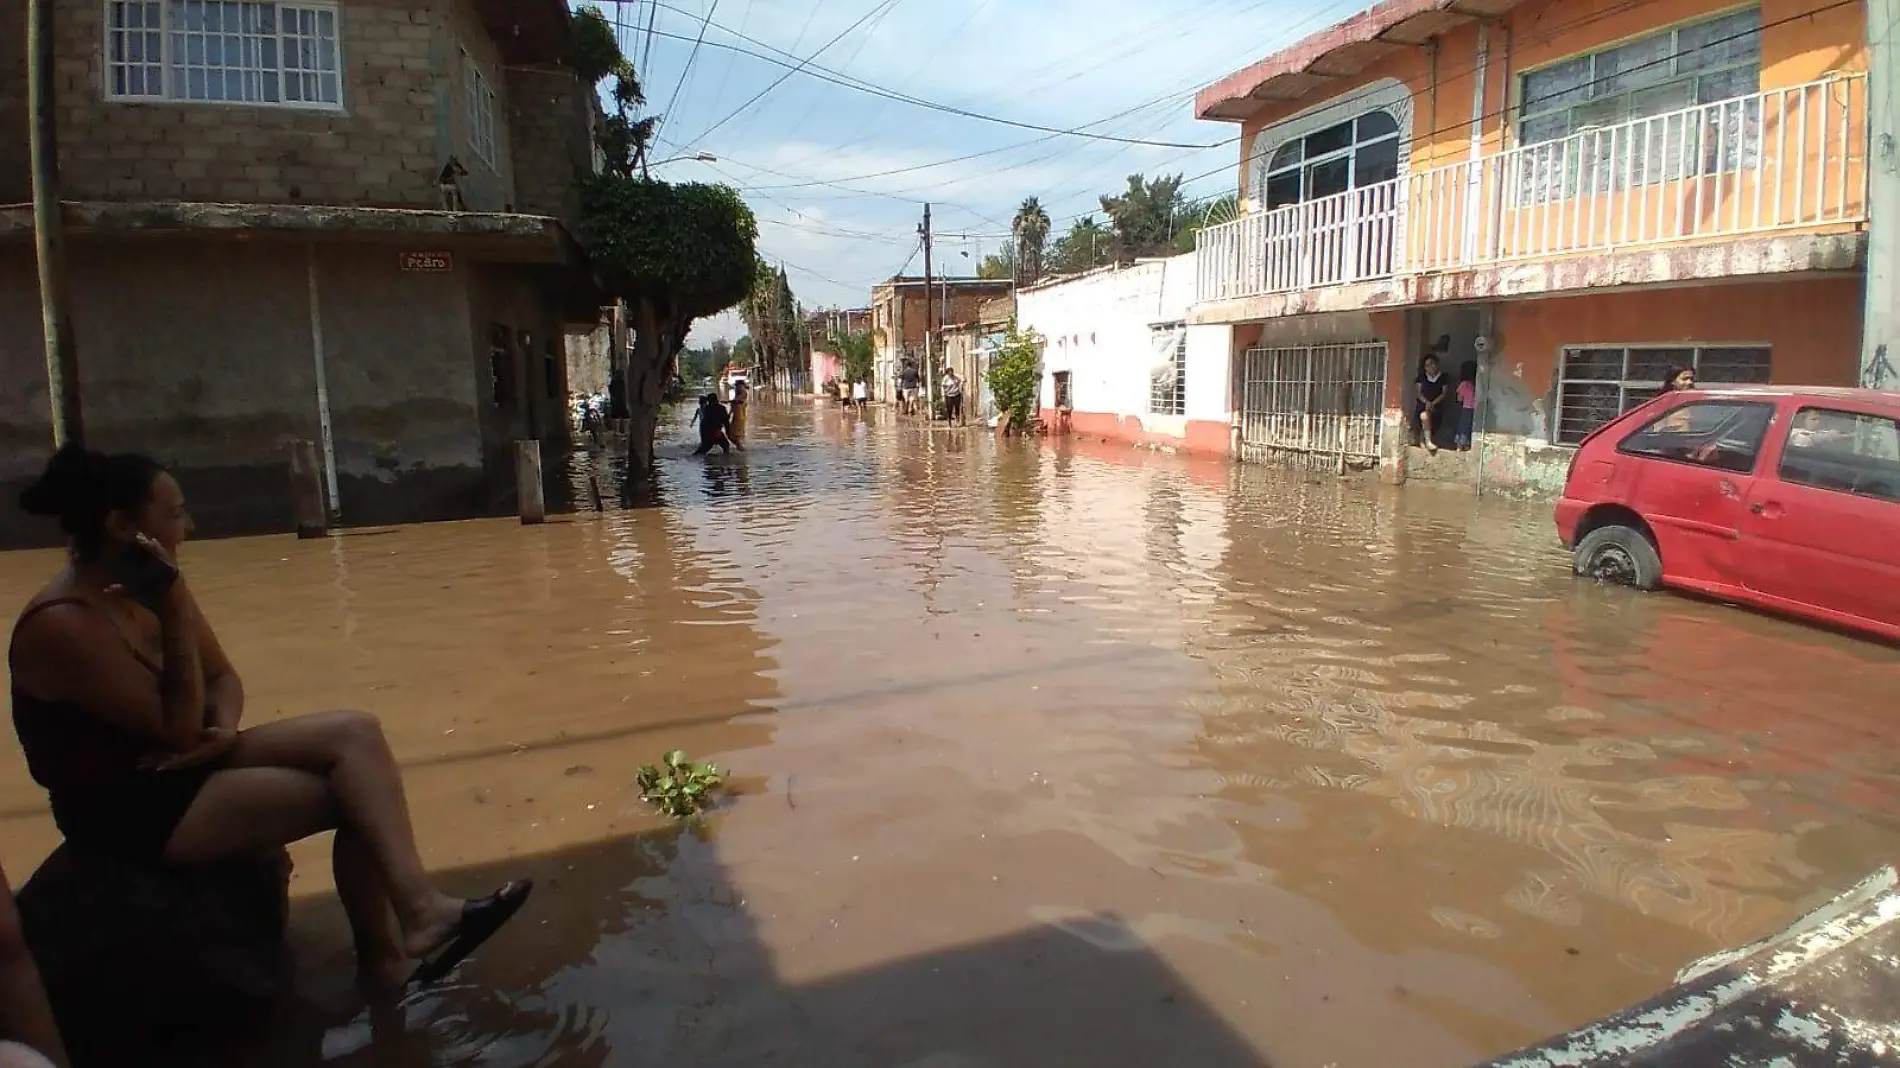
(1782, 159)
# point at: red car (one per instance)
(1786, 498)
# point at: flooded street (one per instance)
(1045, 755)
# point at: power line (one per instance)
(791, 70)
(646, 51)
(690, 57)
(725, 72)
(805, 67)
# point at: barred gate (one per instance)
(1327, 400)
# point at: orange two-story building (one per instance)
(1573, 195)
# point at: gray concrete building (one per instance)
(262, 249)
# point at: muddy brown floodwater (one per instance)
(1057, 755)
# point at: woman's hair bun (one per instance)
(70, 476)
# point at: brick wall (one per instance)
(961, 306)
(551, 121)
(403, 115)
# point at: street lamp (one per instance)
(698, 157)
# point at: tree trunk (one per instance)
(656, 342)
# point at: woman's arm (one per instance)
(26, 1016)
(224, 690)
(75, 653)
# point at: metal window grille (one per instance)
(481, 112)
(1595, 384)
(1324, 399)
(224, 51)
(1167, 389)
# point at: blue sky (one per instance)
(804, 154)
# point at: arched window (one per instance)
(1347, 155)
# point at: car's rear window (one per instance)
(1847, 452)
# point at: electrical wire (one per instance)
(690, 58)
(794, 69)
(803, 67)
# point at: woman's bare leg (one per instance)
(362, 787)
(380, 959)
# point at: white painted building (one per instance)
(1119, 361)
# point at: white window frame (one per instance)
(157, 24)
(480, 105)
(1684, 148)
(1643, 388)
(1302, 164)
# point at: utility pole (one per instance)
(1879, 343)
(930, 318)
(49, 246)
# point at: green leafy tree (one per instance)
(673, 253)
(1147, 217)
(594, 54)
(745, 352)
(1001, 265)
(1088, 244)
(774, 320)
(857, 351)
(699, 363)
(1015, 376)
(1030, 231)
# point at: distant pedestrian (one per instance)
(952, 397)
(907, 399)
(1467, 404)
(859, 394)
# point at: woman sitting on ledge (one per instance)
(128, 710)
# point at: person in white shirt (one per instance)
(859, 394)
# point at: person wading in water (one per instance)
(739, 391)
(712, 420)
(128, 712)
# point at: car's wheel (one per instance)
(1619, 554)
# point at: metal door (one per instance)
(1327, 400)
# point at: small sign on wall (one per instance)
(427, 261)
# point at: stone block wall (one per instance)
(403, 115)
(551, 119)
(199, 353)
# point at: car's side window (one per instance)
(1847, 452)
(1722, 434)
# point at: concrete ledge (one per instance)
(533, 238)
(1819, 993)
(1751, 258)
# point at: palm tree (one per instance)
(1030, 229)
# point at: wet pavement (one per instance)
(1045, 755)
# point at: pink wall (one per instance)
(825, 367)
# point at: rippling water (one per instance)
(1046, 755)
